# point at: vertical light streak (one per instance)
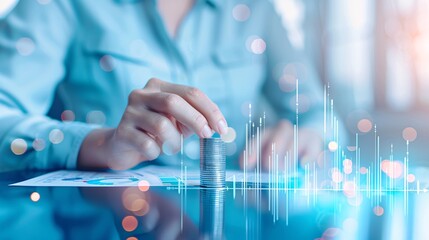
(233, 186)
(405, 177)
(258, 157)
(357, 163)
(179, 182)
(246, 157)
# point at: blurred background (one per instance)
(374, 55)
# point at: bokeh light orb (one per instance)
(39, 144)
(393, 169)
(107, 63)
(349, 189)
(333, 146)
(129, 223)
(292, 69)
(137, 205)
(378, 210)
(68, 116)
(363, 170)
(257, 45)
(364, 125)
(411, 178)
(348, 166)
(6, 6)
(229, 136)
(18, 146)
(25, 46)
(287, 83)
(129, 196)
(35, 196)
(168, 148)
(192, 150)
(385, 164)
(337, 176)
(241, 12)
(96, 117)
(348, 170)
(351, 148)
(296, 69)
(347, 163)
(56, 136)
(144, 185)
(143, 207)
(409, 134)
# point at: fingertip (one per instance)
(173, 145)
(222, 127)
(206, 132)
(154, 153)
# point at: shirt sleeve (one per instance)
(289, 74)
(34, 41)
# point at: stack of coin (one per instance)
(212, 213)
(212, 162)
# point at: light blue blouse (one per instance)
(90, 55)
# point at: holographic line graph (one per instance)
(337, 172)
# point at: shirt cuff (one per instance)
(78, 133)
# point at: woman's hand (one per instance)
(310, 145)
(153, 121)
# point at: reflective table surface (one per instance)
(198, 213)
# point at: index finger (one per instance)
(198, 100)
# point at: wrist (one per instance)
(94, 150)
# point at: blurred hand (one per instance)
(153, 121)
(310, 145)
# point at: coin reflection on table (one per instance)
(212, 213)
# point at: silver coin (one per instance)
(212, 162)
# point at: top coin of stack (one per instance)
(212, 162)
